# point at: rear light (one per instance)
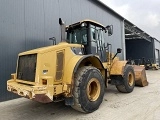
(44, 81)
(13, 76)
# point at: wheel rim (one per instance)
(93, 89)
(130, 79)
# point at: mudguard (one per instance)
(117, 68)
(74, 63)
(69, 69)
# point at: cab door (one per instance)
(97, 42)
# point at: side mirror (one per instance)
(109, 28)
(53, 39)
(119, 50)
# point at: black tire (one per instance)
(128, 80)
(89, 79)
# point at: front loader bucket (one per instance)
(140, 76)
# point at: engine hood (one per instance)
(61, 45)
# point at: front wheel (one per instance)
(128, 80)
(88, 89)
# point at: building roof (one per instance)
(131, 30)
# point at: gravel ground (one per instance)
(142, 104)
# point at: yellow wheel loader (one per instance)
(149, 64)
(76, 70)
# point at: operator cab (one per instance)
(90, 34)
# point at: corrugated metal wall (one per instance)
(27, 24)
(136, 49)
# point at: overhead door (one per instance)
(157, 56)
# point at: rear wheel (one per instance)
(128, 80)
(88, 89)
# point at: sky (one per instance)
(145, 14)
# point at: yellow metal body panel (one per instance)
(47, 60)
(117, 67)
(68, 74)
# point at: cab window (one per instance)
(77, 36)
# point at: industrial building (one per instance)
(28, 24)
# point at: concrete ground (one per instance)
(141, 104)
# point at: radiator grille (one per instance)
(27, 67)
(59, 68)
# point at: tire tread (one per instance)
(122, 88)
(78, 79)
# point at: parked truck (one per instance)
(76, 70)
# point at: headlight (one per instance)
(83, 24)
(13, 76)
(77, 51)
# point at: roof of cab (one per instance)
(87, 20)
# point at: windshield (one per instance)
(77, 36)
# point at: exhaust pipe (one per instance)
(63, 30)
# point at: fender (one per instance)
(74, 64)
(117, 68)
(95, 61)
